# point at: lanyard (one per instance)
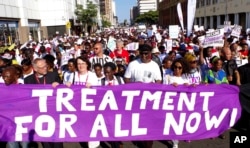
(82, 83)
(38, 81)
(110, 83)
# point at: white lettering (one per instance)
(130, 97)
(136, 130)
(233, 117)
(197, 118)
(118, 131)
(85, 101)
(99, 125)
(206, 96)
(189, 103)
(108, 99)
(171, 122)
(20, 130)
(61, 99)
(156, 97)
(47, 120)
(214, 121)
(168, 102)
(43, 96)
(66, 125)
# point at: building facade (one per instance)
(146, 5)
(213, 13)
(21, 20)
(134, 13)
(106, 10)
(168, 13)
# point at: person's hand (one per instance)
(88, 85)
(194, 85)
(229, 78)
(68, 84)
(55, 84)
(175, 84)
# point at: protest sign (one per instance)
(111, 113)
(169, 44)
(174, 31)
(227, 27)
(214, 38)
(236, 31)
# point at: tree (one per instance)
(105, 23)
(87, 16)
(149, 18)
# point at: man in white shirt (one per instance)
(143, 69)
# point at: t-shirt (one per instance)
(171, 79)
(143, 72)
(124, 54)
(102, 60)
(115, 81)
(216, 77)
(79, 79)
(194, 77)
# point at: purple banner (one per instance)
(111, 113)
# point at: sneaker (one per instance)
(175, 146)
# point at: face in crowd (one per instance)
(145, 53)
(227, 54)
(71, 66)
(98, 70)
(82, 64)
(166, 63)
(217, 64)
(179, 67)
(109, 70)
(98, 49)
(40, 66)
(119, 45)
(10, 76)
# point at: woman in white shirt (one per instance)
(83, 75)
(180, 68)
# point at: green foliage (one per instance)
(149, 18)
(105, 23)
(86, 16)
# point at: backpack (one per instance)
(117, 77)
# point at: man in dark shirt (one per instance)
(42, 76)
(244, 72)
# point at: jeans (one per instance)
(16, 144)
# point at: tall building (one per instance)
(168, 13)
(213, 13)
(106, 10)
(146, 5)
(134, 13)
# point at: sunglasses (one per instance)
(178, 67)
(193, 62)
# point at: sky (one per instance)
(123, 9)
